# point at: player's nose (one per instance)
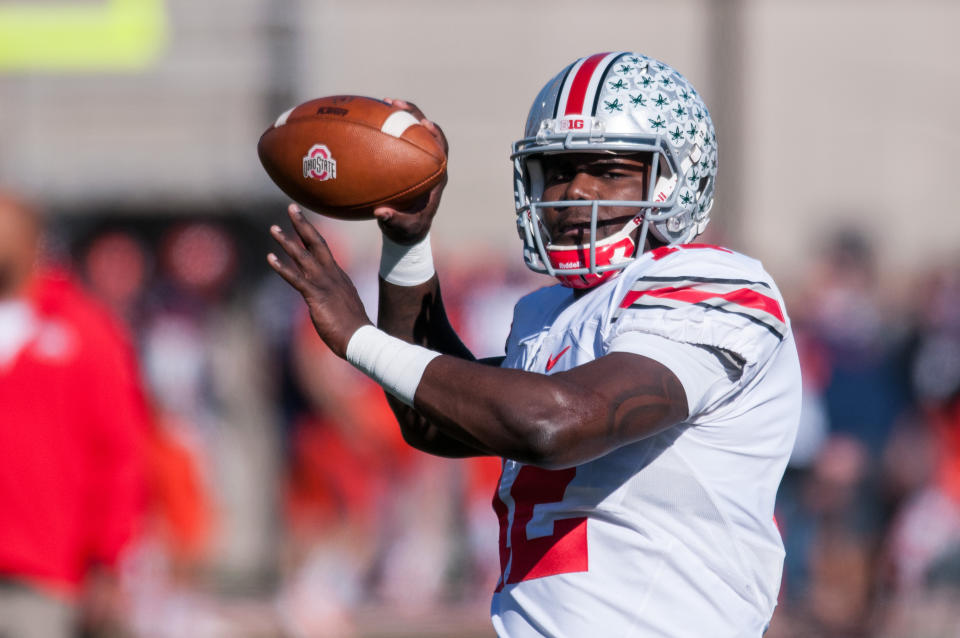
(582, 186)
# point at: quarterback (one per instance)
(648, 401)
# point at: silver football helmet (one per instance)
(617, 103)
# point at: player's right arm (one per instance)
(416, 314)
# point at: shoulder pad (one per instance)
(703, 295)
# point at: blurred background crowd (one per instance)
(241, 481)
(280, 498)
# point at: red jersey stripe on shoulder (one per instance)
(745, 297)
(663, 251)
(748, 301)
(580, 83)
(752, 299)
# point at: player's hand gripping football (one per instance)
(335, 307)
(410, 225)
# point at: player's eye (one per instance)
(614, 173)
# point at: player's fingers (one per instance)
(415, 218)
(293, 248)
(384, 213)
(414, 110)
(291, 276)
(432, 202)
(398, 225)
(390, 216)
(437, 132)
(406, 106)
(312, 239)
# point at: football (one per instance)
(344, 155)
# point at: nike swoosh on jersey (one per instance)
(552, 361)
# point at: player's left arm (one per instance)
(551, 421)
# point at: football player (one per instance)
(647, 403)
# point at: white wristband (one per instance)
(406, 265)
(394, 364)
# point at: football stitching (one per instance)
(400, 194)
(410, 142)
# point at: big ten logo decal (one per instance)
(572, 125)
(562, 552)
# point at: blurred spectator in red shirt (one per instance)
(72, 433)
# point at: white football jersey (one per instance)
(672, 535)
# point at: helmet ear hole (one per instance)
(663, 173)
(663, 167)
(702, 187)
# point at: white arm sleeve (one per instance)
(702, 374)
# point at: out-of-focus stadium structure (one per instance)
(828, 112)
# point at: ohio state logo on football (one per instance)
(319, 164)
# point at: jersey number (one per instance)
(563, 552)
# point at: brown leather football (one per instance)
(344, 155)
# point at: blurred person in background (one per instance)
(117, 269)
(842, 545)
(865, 388)
(73, 422)
(216, 451)
(838, 494)
(171, 553)
(646, 407)
(924, 542)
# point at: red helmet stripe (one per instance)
(580, 84)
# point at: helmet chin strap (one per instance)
(619, 248)
(616, 257)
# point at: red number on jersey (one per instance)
(563, 552)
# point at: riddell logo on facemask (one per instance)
(569, 264)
